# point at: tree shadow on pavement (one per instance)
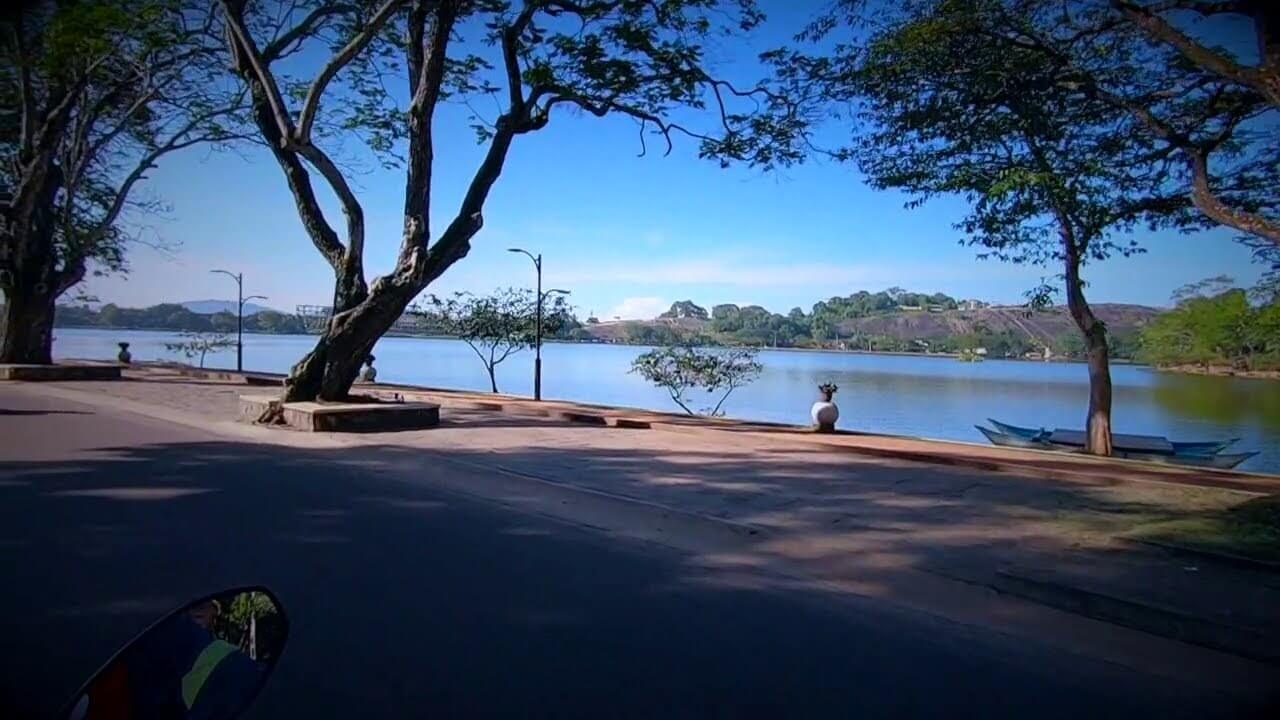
(406, 600)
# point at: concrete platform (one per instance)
(345, 417)
(57, 373)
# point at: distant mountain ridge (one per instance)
(1044, 326)
(895, 321)
(211, 307)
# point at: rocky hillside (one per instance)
(1040, 326)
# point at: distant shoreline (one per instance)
(561, 341)
(1219, 371)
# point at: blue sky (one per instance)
(628, 235)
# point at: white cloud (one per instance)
(746, 273)
(638, 308)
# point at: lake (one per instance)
(905, 395)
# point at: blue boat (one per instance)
(1150, 448)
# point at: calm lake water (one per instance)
(927, 397)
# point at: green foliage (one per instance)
(110, 87)
(498, 325)
(685, 309)
(1221, 329)
(251, 622)
(198, 344)
(169, 316)
(680, 369)
(637, 333)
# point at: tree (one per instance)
(99, 92)
(685, 309)
(954, 101)
(1200, 79)
(641, 60)
(1215, 107)
(679, 369)
(497, 326)
(198, 344)
(1214, 325)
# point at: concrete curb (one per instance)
(1147, 617)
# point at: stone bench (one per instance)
(345, 417)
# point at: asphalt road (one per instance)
(408, 602)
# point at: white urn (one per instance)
(824, 412)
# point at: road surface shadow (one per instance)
(404, 599)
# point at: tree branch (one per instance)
(511, 59)
(340, 60)
(1157, 27)
(26, 93)
(280, 46)
(428, 53)
(353, 258)
(676, 396)
(1208, 202)
(247, 59)
(454, 243)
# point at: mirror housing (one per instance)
(206, 660)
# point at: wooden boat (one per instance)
(1211, 447)
(1222, 461)
(1150, 448)
(1011, 440)
(1022, 432)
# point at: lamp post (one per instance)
(537, 337)
(240, 301)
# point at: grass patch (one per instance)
(1250, 529)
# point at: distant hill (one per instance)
(1005, 330)
(1045, 327)
(209, 307)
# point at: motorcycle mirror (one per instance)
(208, 659)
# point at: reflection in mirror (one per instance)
(205, 661)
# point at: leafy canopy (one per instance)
(101, 91)
(499, 325)
(680, 369)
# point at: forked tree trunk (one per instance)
(28, 324)
(493, 378)
(1098, 421)
(331, 368)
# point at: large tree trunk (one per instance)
(29, 275)
(1098, 422)
(331, 368)
(28, 325)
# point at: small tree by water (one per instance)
(496, 326)
(680, 369)
(199, 344)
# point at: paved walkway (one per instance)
(408, 599)
(841, 514)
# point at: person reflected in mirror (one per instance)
(180, 670)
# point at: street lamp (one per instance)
(240, 301)
(537, 338)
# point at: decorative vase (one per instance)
(825, 413)
(124, 356)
